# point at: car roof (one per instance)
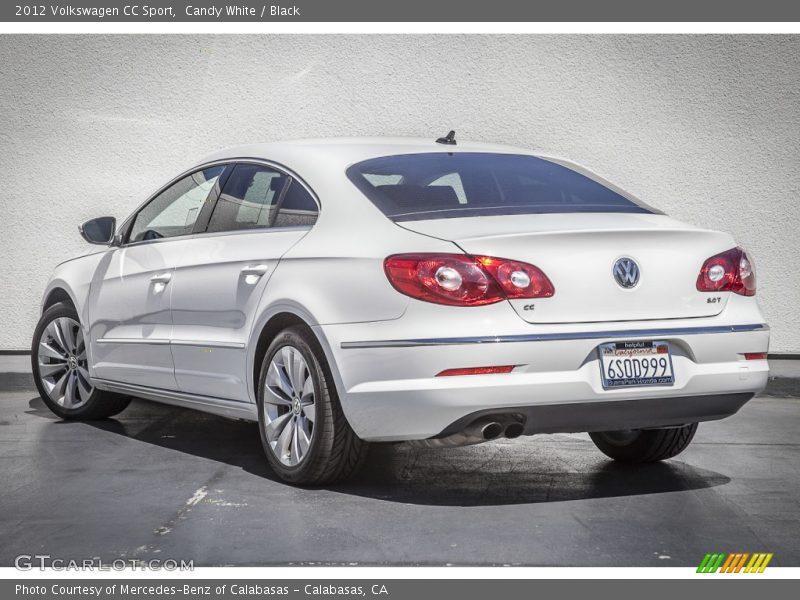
(322, 162)
(343, 152)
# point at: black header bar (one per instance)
(254, 11)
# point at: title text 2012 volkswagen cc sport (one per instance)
(347, 291)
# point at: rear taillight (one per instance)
(729, 271)
(518, 279)
(461, 280)
(755, 356)
(453, 279)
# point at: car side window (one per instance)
(297, 208)
(249, 199)
(257, 196)
(174, 211)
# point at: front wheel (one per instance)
(305, 434)
(61, 372)
(644, 445)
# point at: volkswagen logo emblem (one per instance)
(626, 272)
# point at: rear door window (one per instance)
(297, 208)
(258, 197)
(249, 199)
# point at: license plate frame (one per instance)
(637, 352)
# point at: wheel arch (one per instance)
(56, 294)
(272, 322)
(270, 329)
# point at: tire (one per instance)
(304, 432)
(644, 445)
(60, 369)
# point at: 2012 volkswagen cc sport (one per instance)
(341, 292)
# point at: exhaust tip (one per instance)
(514, 430)
(491, 430)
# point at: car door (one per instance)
(129, 299)
(221, 275)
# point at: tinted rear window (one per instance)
(439, 185)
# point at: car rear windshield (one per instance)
(442, 185)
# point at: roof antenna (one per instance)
(449, 139)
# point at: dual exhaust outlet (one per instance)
(479, 431)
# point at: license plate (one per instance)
(628, 364)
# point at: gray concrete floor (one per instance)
(163, 482)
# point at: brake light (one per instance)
(453, 279)
(518, 279)
(461, 280)
(755, 356)
(729, 271)
(476, 371)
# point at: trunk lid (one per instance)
(578, 252)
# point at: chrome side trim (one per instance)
(149, 342)
(552, 337)
(216, 406)
(163, 342)
(202, 344)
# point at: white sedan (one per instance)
(441, 293)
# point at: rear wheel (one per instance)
(305, 434)
(60, 369)
(644, 445)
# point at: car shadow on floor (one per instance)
(523, 471)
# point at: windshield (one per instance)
(442, 185)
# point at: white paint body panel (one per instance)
(130, 324)
(214, 303)
(193, 343)
(578, 252)
(402, 382)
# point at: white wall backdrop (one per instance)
(706, 128)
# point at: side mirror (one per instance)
(99, 230)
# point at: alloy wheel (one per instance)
(289, 407)
(62, 364)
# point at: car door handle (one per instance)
(256, 270)
(162, 278)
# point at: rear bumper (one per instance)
(614, 415)
(553, 401)
(387, 383)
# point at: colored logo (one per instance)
(735, 563)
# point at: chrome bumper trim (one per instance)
(552, 337)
